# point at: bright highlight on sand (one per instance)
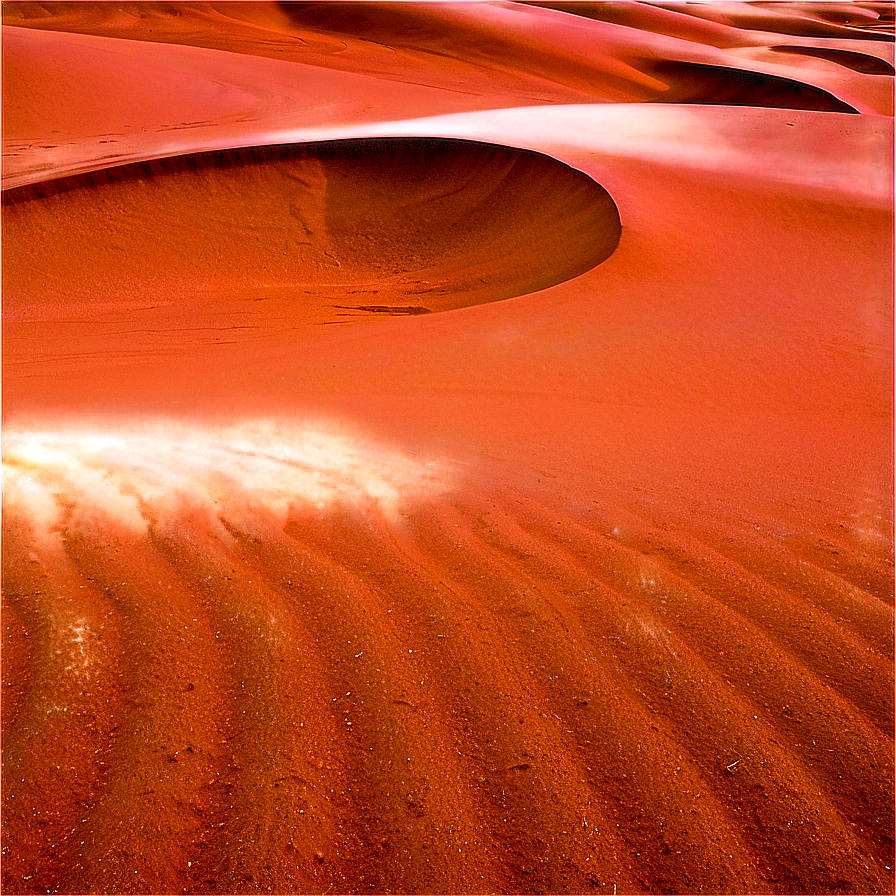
(98, 443)
(34, 451)
(271, 464)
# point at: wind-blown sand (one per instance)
(448, 448)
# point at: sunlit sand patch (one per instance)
(262, 464)
(34, 451)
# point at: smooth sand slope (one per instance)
(447, 448)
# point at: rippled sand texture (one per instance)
(447, 448)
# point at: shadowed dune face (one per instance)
(691, 82)
(868, 16)
(858, 62)
(333, 230)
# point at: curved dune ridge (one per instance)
(691, 82)
(326, 231)
(585, 586)
(858, 62)
(820, 20)
(287, 658)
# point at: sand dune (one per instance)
(323, 231)
(448, 448)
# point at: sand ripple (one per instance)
(219, 689)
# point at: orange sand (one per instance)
(448, 448)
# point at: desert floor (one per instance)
(448, 448)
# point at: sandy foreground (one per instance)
(447, 448)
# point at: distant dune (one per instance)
(448, 448)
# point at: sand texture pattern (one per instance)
(448, 448)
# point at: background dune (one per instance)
(447, 447)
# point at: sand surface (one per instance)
(448, 448)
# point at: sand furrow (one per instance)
(165, 749)
(18, 657)
(846, 574)
(765, 787)
(338, 612)
(583, 695)
(476, 718)
(850, 564)
(786, 611)
(796, 604)
(58, 752)
(402, 778)
(861, 605)
(849, 758)
(264, 808)
(803, 611)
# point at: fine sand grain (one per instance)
(448, 448)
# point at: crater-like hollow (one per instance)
(327, 231)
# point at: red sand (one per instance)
(501, 501)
